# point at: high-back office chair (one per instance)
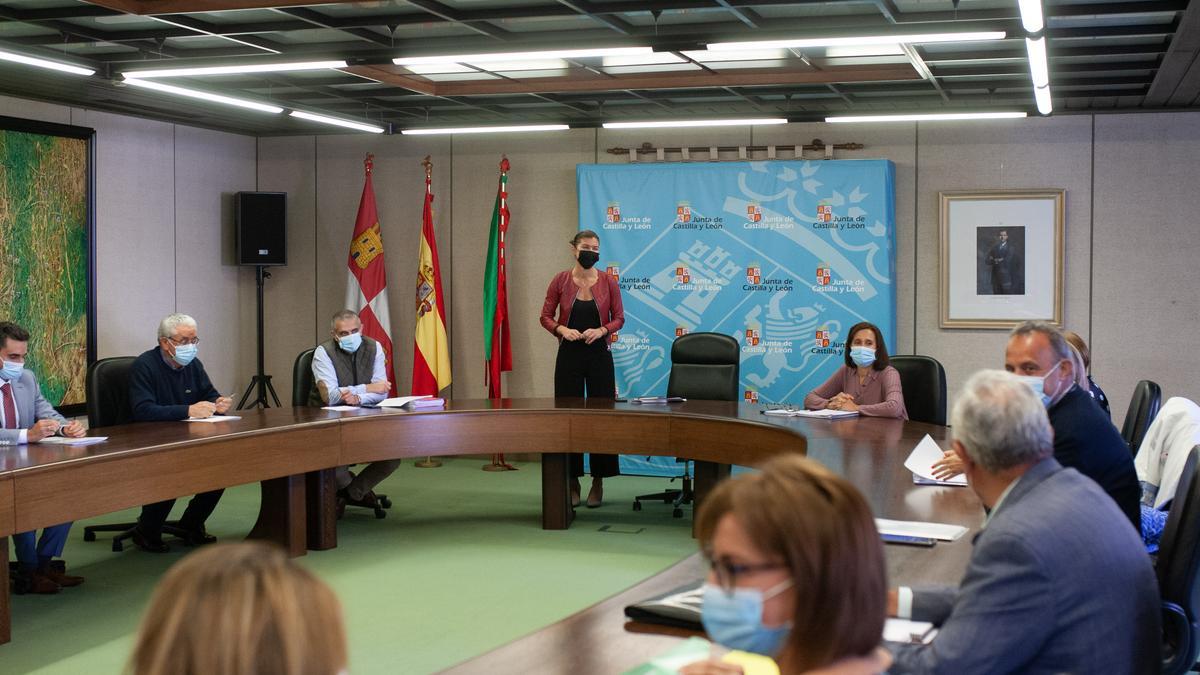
(1178, 570)
(302, 384)
(107, 387)
(1143, 408)
(923, 380)
(703, 366)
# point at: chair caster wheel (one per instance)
(117, 546)
(384, 501)
(89, 536)
(677, 513)
(380, 514)
(637, 506)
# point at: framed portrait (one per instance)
(1001, 257)
(47, 251)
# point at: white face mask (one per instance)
(1038, 384)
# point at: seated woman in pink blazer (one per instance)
(867, 383)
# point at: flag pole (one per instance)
(498, 463)
(429, 462)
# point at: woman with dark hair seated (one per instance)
(797, 572)
(867, 383)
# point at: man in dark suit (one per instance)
(27, 417)
(1003, 261)
(1084, 437)
(168, 383)
(1057, 582)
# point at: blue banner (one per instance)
(785, 256)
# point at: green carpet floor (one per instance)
(459, 566)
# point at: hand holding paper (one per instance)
(924, 459)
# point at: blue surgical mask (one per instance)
(185, 353)
(735, 621)
(350, 342)
(12, 371)
(1038, 385)
(862, 356)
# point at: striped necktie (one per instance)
(10, 406)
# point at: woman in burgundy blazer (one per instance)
(589, 311)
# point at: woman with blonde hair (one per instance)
(797, 571)
(240, 609)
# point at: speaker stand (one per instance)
(260, 383)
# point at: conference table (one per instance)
(292, 451)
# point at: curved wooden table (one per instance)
(285, 448)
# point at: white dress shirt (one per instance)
(324, 372)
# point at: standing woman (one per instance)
(589, 310)
(867, 383)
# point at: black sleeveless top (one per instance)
(584, 315)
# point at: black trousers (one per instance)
(586, 371)
(198, 510)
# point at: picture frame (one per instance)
(47, 241)
(1001, 257)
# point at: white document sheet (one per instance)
(65, 440)
(906, 631)
(916, 528)
(921, 460)
(401, 401)
(340, 408)
(820, 414)
(214, 418)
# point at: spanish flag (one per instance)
(431, 349)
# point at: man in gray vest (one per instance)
(350, 369)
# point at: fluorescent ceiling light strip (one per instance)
(486, 130)
(927, 117)
(336, 121)
(522, 56)
(1042, 96)
(1031, 15)
(205, 96)
(911, 38)
(228, 70)
(1039, 68)
(43, 63)
(692, 123)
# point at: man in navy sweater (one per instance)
(1084, 437)
(168, 383)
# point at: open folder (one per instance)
(412, 402)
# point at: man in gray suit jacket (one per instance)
(1058, 582)
(27, 417)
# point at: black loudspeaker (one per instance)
(260, 219)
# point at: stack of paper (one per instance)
(412, 402)
(820, 414)
(213, 418)
(921, 462)
(660, 399)
(66, 440)
(915, 528)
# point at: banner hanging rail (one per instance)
(712, 152)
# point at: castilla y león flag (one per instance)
(497, 352)
(431, 349)
(366, 288)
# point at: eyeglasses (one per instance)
(184, 341)
(727, 573)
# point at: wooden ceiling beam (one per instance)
(674, 80)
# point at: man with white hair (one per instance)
(1057, 583)
(168, 383)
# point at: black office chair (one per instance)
(1178, 569)
(703, 366)
(924, 382)
(107, 387)
(302, 386)
(1143, 408)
